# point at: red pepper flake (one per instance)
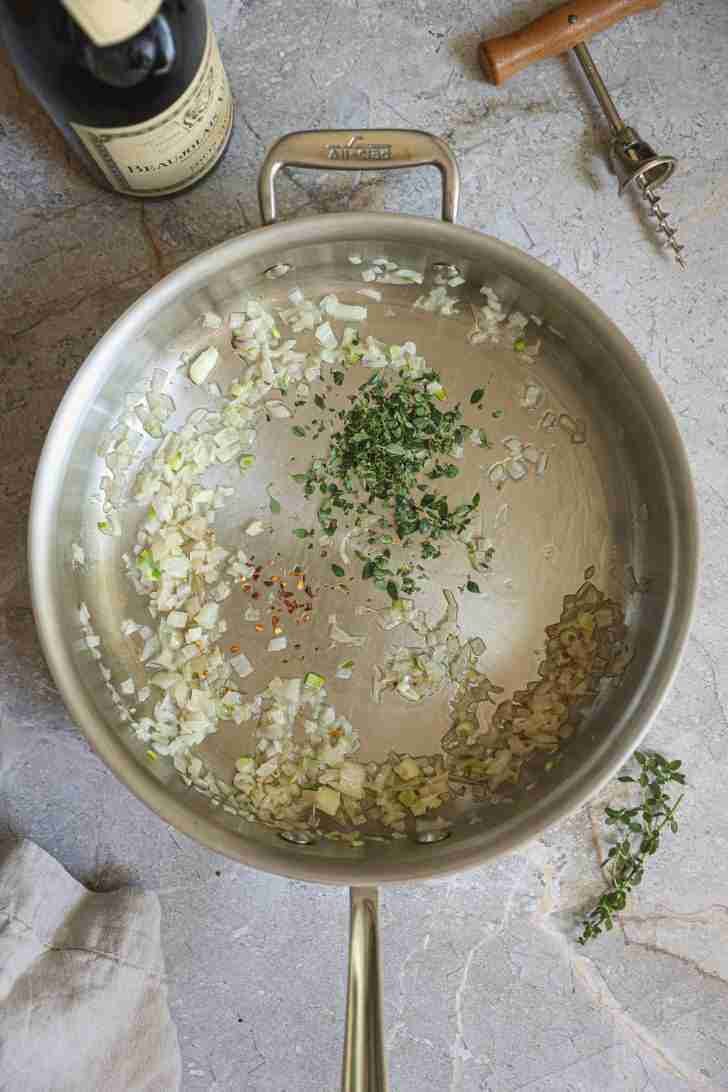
(258, 628)
(234, 648)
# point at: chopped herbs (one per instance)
(394, 433)
(301, 532)
(473, 587)
(477, 396)
(274, 505)
(337, 570)
(519, 344)
(298, 430)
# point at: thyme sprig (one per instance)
(639, 833)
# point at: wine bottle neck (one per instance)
(110, 22)
(149, 53)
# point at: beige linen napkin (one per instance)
(83, 1002)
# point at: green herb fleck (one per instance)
(301, 532)
(337, 570)
(473, 587)
(519, 344)
(477, 396)
(298, 431)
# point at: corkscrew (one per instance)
(635, 163)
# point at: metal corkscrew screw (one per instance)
(635, 162)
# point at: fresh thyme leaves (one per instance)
(639, 833)
(393, 435)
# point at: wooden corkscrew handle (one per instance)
(553, 33)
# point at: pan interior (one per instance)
(595, 506)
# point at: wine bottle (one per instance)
(136, 87)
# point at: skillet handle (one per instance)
(364, 1067)
(359, 150)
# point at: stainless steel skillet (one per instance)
(620, 503)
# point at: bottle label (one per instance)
(107, 22)
(168, 152)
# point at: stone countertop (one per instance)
(484, 985)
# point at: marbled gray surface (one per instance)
(485, 988)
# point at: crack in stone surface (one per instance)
(594, 983)
(714, 684)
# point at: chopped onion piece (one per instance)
(208, 616)
(328, 800)
(242, 665)
(255, 528)
(326, 336)
(407, 769)
(277, 644)
(277, 410)
(352, 777)
(343, 311)
(203, 365)
(339, 636)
